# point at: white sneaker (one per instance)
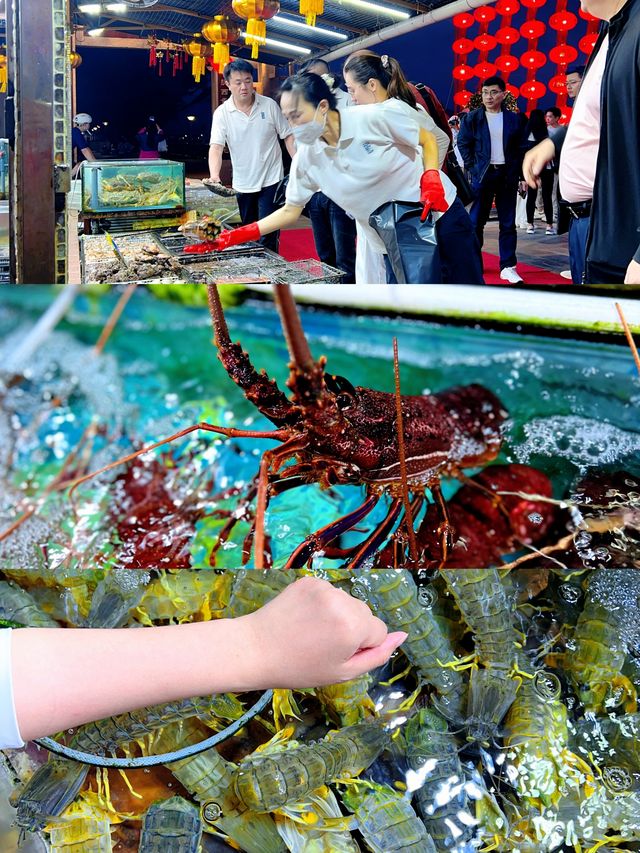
(550, 230)
(531, 229)
(566, 274)
(510, 274)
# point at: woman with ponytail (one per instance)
(373, 79)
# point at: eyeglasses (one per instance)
(492, 93)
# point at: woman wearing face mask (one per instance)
(360, 157)
(373, 79)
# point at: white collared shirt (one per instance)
(9, 732)
(252, 140)
(377, 159)
(496, 124)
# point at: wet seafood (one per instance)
(171, 825)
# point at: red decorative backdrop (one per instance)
(489, 42)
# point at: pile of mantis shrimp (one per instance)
(507, 721)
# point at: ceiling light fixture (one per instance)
(375, 7)
(290, 22)
(282, 44)
(90, 8)
(96, 32)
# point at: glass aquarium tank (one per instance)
(110, 186)
(508, 718)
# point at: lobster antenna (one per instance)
(296, 339)
(413, 547)
(217, 316)
(627, 331)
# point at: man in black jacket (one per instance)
(491, 142)
(599, 164)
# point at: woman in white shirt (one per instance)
(360, 157)
(373, 79)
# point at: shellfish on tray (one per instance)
(204, 229)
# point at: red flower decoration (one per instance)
(462, 46)
(563, 54)
(506, 63)
(533, 59)
(563, 21)
(485, 42)
(533, 29)
(507, 35)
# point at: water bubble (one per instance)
(547, 686)
(427, 597)
(617, 779)
(570, 593)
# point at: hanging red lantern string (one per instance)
(461, 47)
(561, 55)
(532, 59)
(506, 36)
(152, 41)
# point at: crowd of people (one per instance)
(381, 139)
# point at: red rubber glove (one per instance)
(432, 193)
(244, 234)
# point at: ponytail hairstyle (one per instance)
(365, 66)
(310, 87)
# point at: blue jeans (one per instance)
(495, 184)
(578, 232)
(334, 234)
(254, 206)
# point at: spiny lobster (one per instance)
(334, 433)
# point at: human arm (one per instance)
(87, 153)
(281, 218)
(632, 276)
(466, 142)
(310, 635)
(432, 193)
(535, 161)
(215, 161)
(290, 143)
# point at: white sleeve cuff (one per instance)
(9, 732)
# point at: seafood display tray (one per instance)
(143, 258)
(119, 185)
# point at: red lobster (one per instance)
(334, 433)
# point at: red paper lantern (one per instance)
(533, 4)
(484, 42)
(563, 54)
(484, 69)
(462, 72)
(507, 7)
(513, 90)
(565, 118)
(532, 89)
(507, 35)
(461, 99)
(563, 21)
(463, 21)
(533, 29)
(485, 14)
(533, 59)
(586, 16)
(506, 63)
(462, 46)
(557, 84)
(586, 43)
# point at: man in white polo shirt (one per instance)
(250, 125)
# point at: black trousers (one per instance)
(496, 184)
(254, 206)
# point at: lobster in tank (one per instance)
(331, 432)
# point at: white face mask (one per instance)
(310, 131)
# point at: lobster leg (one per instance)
(445, 530)
(318, 540)
(258, 388)
(375, 539)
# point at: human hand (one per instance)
(432, 194)
(314, 634)
(522, 188)
(227, 238)
(632, 276)
(535, 160)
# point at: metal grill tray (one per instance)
(174, 244)
(260, 267)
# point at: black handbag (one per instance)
(457, 176)
(412, 245)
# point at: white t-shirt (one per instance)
(9, 732)
(252, 140)
(496, 123)
(377, 159)
(577, 173)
